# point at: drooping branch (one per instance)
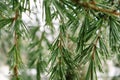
(16, 46)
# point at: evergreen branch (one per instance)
(15, 69)
(91, 5)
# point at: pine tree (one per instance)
(88, 34)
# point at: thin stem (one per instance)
(16, 71)
(16, 46)
(94, 48)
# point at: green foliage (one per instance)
(36, 57)
(88, 34)
(61, 60)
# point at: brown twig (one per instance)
(94, 47)
(16, 15)
(90, 5)
(15, 69)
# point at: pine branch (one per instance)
(91, 5)
(15, 69)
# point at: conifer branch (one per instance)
(16, 46)
(90, 5)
